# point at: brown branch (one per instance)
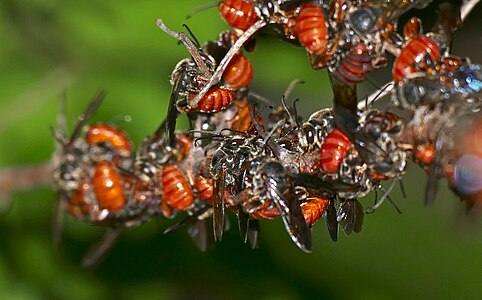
(17, 179)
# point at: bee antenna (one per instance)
(378, 94)
(196, 42)
(283, 102)
(291, 86)
(254, 117)
(201, 8)
(193, 50)
(295, 110)
(394, 204)
(254, 122)
(197, 140)
(205, 133)
(402, 189)
(232, 131)
(259, 97)
(385, 196)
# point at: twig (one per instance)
(467, 7)
(226, 60)
(23, 178)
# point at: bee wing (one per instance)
(97, 252)
(331, 222)
(243, 220)
(218, 205)
(432, 182)
(172, 113)
(248, 228)
(189, 220)
(326, 186)
(253, 233)
(350, 216)
(58, 219)
(198, 232)
(89, 111)
(391, 10)
(291, 215)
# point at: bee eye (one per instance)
(310, 136)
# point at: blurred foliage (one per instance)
(89, 45)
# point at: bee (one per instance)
(419, 54)
(95, 190)
(189, 76)
(270, 193)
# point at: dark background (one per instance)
(89, 45)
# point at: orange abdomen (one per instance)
(242, 121)
(176, 189)
(333, 150)
(425, 154)
(238, 13)
(216, 99)
(78, 205)
(311, 29)
(184, 144)
(267, 211)
(205, 188)
(108, 187)
(355, 65)
(412, 28)
(101, 133)
(239, 72)
(412, 54)
(314, 208)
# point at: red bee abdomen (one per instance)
(78, 205)
(238, 13)
(314, 208)
(239, 72)
(176, 189)
(425, 154)
(267, 211)
(205, 188)
(412, 28)
(412, 54)
(332, 151)
(108, 187)
(216, 99)
(101, 133)
(184, 144)
(242, 121)
(355, 65)
(311, 29)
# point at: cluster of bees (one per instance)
(262, 161)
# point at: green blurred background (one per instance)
(89, 45)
